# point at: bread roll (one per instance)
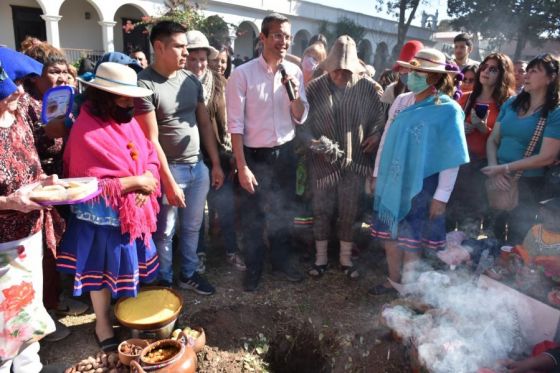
(67, 190)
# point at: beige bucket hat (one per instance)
(343, 55)
(429, 60)
(118, 79)
(197, 40)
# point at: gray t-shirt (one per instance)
(174, 101)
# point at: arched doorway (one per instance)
(365, 51)
(80, 34)
(246, 40)
(128, 36)
(19, 19)
(301, 40)
(381, 59)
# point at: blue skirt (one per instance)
(100, 256)
(416, 231)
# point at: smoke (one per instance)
(468, 327)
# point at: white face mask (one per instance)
(417, 83)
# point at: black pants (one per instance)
(271, 207)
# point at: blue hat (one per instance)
(7, 86)
(121, 58)
(18, 65)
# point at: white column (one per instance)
(107, 32)
(51, 24)
(231, 37)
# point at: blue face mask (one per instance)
(416, 83)
(403, 78)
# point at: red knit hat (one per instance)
(408, 51)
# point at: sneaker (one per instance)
(61, 331)
(197, 283)
(201, 263)
(70, 307)
(237, 261)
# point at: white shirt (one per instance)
(446, 178)
(258, 106)
(388, 96)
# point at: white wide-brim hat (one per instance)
(197, 40)
(429, 60)
(118, 79)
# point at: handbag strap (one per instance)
(532, 144)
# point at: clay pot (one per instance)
(198, 343)
(127, 358)
(158, 330)
(183, 361)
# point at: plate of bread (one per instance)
(66, 191)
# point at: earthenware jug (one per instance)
(183, 361)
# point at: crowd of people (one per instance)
(193, 127)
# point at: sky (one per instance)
(368, 7)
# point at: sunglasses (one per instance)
(491, 69)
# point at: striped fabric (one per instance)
(343, 198)
(537, 135)
(347, 121)
(119, 284)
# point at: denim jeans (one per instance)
(195, 181)
(223, 202)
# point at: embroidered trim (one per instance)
(97, 220)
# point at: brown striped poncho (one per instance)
(348, 122)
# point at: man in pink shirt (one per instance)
(261, 121)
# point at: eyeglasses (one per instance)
(491, 69)
(280, 36)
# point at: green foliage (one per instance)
(325, 30)
(343, 26)
(502, 20)
(399, 9)
(215, 29)
(346, 26)
(189, 15)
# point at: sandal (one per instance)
(107, 345)
(350, 271)
(381, 289)
(317, 270)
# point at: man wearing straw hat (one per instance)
(345, 120)
(261, 121)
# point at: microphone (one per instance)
(289, 85)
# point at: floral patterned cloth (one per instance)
(23, 318)
(19, 165)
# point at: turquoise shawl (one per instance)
(424, 139)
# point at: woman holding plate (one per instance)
(23, 318)
(107, 244)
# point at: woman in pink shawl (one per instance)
(108, 245)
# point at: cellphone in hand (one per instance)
(481, 110)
